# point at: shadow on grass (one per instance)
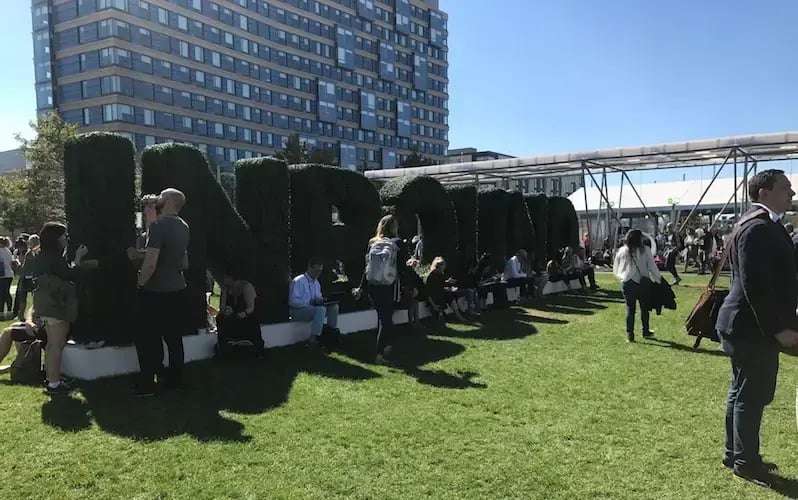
(212, 387)
(412, 351)
(681, 347)
(445, 380)
(784, 486)
(494, 325)
(66, 414)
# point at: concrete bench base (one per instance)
(91, 364)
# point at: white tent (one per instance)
(661, 196)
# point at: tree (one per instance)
(294, 152)
(43, 186)
(415, 159)
(13, 214)
(228, 182)
(297, 151)
(323, 157)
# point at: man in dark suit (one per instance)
(757, 316)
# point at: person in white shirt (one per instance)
(514, 273)
(306, 303)
(6, 277)
(634, 267)
(514, 268)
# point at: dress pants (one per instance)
(754, 368)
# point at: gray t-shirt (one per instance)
(170, 235)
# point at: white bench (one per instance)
(91, 364)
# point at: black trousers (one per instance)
(590, 274)
(163, 317)
(5, 294)
(754, 368)
(670, 264)
(382, 299)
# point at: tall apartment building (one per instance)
(367, 78)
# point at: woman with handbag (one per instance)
(55, 297)
(635, 268)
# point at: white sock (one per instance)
(53, 385)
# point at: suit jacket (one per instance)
(764, 291)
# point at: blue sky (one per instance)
(534, 77)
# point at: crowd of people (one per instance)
(757, 319)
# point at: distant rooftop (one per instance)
(12, 161)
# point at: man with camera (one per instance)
(161, 295)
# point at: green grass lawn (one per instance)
(545, 402)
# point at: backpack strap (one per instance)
(725, 255)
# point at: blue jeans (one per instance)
(316, 315)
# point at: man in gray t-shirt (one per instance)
(161, 295)
(169, 235)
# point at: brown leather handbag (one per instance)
(701, 321)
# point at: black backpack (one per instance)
(247, 346)
(27, 366)
(331, 337)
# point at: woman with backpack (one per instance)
(381, 281)
(635, 268)
(55, 297)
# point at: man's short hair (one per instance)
(789, 227)
(176, 196)
(765, 179)
(315, 261)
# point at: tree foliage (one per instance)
(13, 214)
(416, 159)
(297, 151)
(43, 187)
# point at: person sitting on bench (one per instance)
(306, 303)
(439, 291)
(32, 329)
(514, 273)
(236, 316)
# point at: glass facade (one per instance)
(365, 78)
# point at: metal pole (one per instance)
(729, 200)
(620, 215)
(476, 236)
(587, 212)
(607, 192)
(744, 208)
(601, 192)
(735, 183)
(712, 181)
(639, 198)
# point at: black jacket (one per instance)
(764, 291)
(662, 296)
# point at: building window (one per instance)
(86, 116)
(163, 16)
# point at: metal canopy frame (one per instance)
(707, 152)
